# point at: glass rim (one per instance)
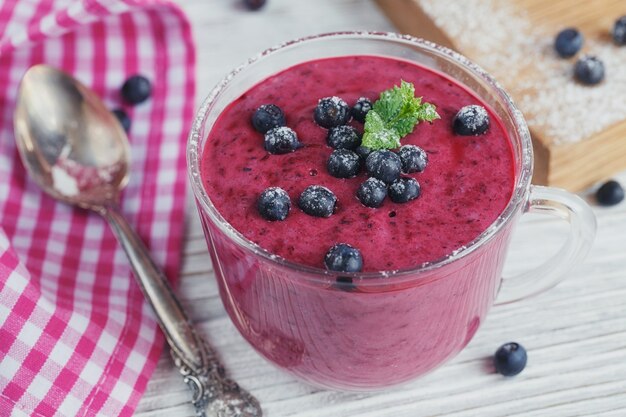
(519, 196)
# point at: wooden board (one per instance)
(572, 164)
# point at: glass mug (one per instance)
(392, 327)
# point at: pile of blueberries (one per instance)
(589, 69)
(347, 159)
(384, 167)
(135, 90)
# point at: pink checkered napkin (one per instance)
(76, 337)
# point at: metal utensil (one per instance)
(76, 150)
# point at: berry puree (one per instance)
(332, 330)
(467, 184)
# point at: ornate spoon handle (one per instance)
(213, 394)
(197, 362)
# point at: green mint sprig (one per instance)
(394, 115)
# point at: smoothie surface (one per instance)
(468, 182)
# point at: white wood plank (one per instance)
(575, 334)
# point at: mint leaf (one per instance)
(376, 135)
(428, 113)
(394, 115)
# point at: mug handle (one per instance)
(559, 203)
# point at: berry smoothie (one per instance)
(348, 333)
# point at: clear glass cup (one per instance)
(395, 326)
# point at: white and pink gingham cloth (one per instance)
(76, 337)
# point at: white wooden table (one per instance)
(575, 334)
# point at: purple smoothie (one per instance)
(382, 331)
(467, 184)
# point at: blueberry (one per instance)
(274, 204)
(343, 258)
(372, 192)
(281, 140)
(136, 89)
(589, 70)
(568, 42)
(268, 116)
(343, 137)
(510, 359)
(123, 118)
(403, 190)
(610, 193)
(384, 165)
(414, 158)
(360, 109)
(619, 31)
(345, 284)
(343, 163)
(471, 120)
(317, 201)
(363, 152)
(254, 4)
(332, 112)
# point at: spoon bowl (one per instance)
(70, 143)
(77, 151)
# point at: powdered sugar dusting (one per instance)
(317, 200)
(280, 140)
(278, 134)
(274, 193)
(336, 101)
(371, 186)
(474, 116)
(398, 187)
(343, 163)
(345, 157)
(521, 56)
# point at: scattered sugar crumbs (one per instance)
(521, 56)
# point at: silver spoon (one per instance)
(76, 150)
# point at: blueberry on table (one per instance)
(331, 112)
(274, 204)
(343, 258)
(123, 118)
(372, 192)
(268, 116)
(254, 4)
(317, 201)
(384, 165)
(363, 152)
(404, 190)
(413, 158)
(589, 70)
(360, 109)
(136, 89)
(281, 140)
(471, 120)
(568, 42)
(343, 137)
(343, 163)
(510, 359)
(619, 31)
(610, 193)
